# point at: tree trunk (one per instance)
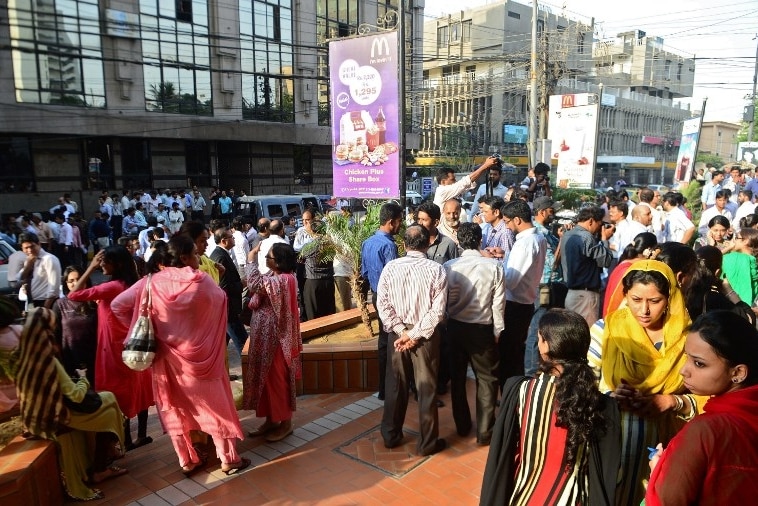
(360, 299)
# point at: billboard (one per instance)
(685, 160)
(747, 152)
(572, 128)
(363, 73)
(515, 134)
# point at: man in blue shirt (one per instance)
(376, 252)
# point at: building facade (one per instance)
(476, 88)
(153, 94)
(719, 138)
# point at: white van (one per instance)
(277, 206)
(413, 199)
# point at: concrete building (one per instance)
(719, 138)
(153, 94)
(476, 78)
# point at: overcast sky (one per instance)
(719, 34)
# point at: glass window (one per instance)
(65, 44)
(177, 68)
(275, 210)
(16, 168)
(266, 60)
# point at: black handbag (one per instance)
(88, 405)
(553, 294)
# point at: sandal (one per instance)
(285, 429)
(107, 474)
(236, 467)
(264, 429)
(142, 441)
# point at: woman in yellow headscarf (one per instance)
(637, 353)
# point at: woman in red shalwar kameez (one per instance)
(275, 343)
(133, 389)
(190, 379)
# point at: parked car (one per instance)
(277, 206)
(6, 250)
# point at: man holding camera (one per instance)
(539, 186)
(448, 188)
(583, 257)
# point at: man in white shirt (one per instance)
(65, 240)
(41, 272)
(745, 199)
(241, 246)
(642, 217)
(448, 188)
(617, 212)
(652, 199)
(523, 272)
(678, 227)
(498, 189)
(277, 235)
(719, 208)
(475, 309)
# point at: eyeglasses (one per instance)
(269, 258)
(738, 237)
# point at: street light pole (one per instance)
(752, 98)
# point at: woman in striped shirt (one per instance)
(557, 438)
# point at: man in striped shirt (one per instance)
(411, 301)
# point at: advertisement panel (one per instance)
(572, 129)
(364, 100)
(685, 160)
(747, 152)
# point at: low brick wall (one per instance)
(338, 367)
(29, 473)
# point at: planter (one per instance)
(334, 367)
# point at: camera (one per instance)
(547, 178)
(498, 159)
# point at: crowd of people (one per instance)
(591, 342)
(586, 382)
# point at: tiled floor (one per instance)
(313, 465)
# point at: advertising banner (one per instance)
(364, 100)
(747, 152)
(685, 160)
(572, 128)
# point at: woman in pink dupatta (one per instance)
(190, 379)
(275, 343)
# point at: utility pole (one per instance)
(401, 103)
(752, 98)
(533, 91)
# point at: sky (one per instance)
(720, 35)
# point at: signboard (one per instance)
(515, 134)
(747, 152)
(572, 129)
(427, 186)
(364, 99)
(685, 160)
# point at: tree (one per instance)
(709, 159)
(339, 236)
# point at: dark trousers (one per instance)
(512, 344)
(423, 360)
(475, 344)
(318, 298)
(116, 222)
(381, 346)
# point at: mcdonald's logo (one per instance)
(567, 101)
(379, 47)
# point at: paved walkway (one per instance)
(335, 456)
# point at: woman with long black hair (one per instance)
(134, 390)
(557, 438)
